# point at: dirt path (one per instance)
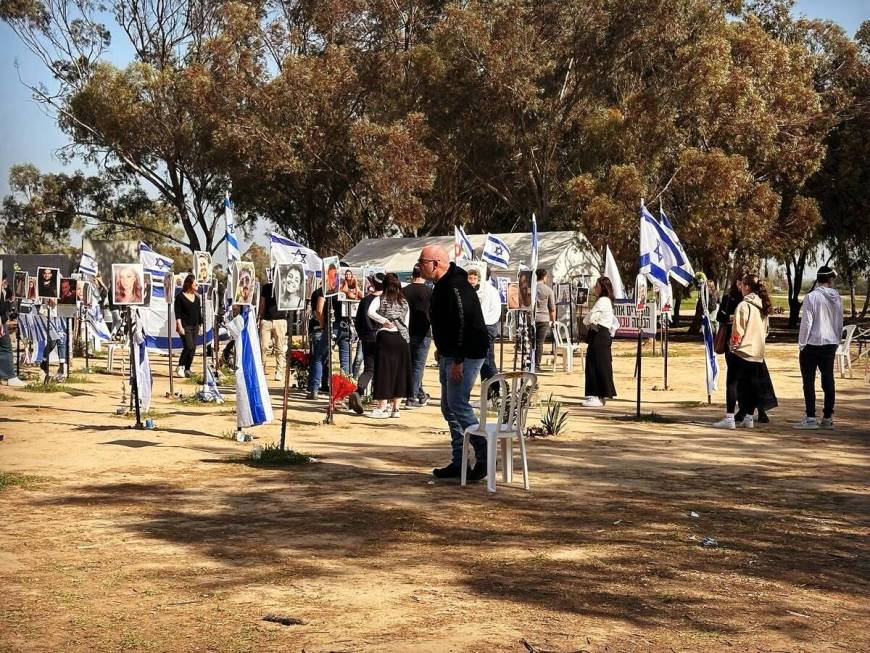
(163, 541)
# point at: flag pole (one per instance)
(134, 381)
(288, 354)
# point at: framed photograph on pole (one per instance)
(19, 286)
(289, 286)
(48, 283)
(68, 291)
(128, 284)
(202, 267)
(243, 283)
(331, 282)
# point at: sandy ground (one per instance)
(165, 540)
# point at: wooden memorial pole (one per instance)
(327, 308)
(288, 356)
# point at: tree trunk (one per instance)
(794, 290)
(866, 299)
(852, 297)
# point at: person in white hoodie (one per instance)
(819, 337)
(602, 325)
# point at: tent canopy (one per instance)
(565, 254)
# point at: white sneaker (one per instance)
(747, 423)
(278, 376)
(179, 372)
(15, 382)
(726, 422)
(827, 422)
(592, 402)
(395, 413)
(806, 424)
(380, 413)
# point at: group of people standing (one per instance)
(745, 315)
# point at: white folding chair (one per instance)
(117, 348)
(844, 360)
(512, 408)
(564, 347)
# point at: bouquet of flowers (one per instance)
(342, 386)
(299, 361)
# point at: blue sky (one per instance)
(28, 135)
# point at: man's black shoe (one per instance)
(451, 471)
(763, 418)
(353, 400)
(422, 401)
(478, 472)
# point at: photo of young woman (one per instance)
(128, 284)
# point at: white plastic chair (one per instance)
(515, 395)
(114, 349)
(564, 347)
(844, 360)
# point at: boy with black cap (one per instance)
(821, 328)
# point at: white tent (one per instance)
(565, 254)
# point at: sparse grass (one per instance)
(48, 387)
(77, 378)
(653, 417)
(272, 456)
(14, 479)
(102, 370)
(228, 435)
(194, 379)
(6, 397)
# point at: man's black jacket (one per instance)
(457, 321)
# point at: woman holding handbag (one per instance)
(602, 325)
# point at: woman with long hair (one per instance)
(725, 317)
(188, 322)
(602, 324)
(392, 378)
(749, 332)
(128, 286)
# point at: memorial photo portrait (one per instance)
(48, 282)
(128, 284)
(524, 279)
(290, 286)
(331, 281)
(19, 287)
(68, 291)
(147, 286)
(243, 283)
(513, 295)
(351, 288)
(202, 267)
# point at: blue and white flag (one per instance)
(496, 252)
(462, 247)
(710, 362)
(658, 253)
(683, 273)
(99, 331)
(233, 252)
(158, 266)
(211, 390)
(253, 404)
(88, 265)
(284, 250)
(144, 379)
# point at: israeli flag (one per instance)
(157, 266)
(658, 253)
(233, 252)
(462, 247)
(212, 391)
(144, 379)
(88, 265)
(683, 273)
(253, 404)
(99, 330)
(496, 252)
(284, 250)
(710, 362)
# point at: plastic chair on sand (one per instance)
(564, 347)
(844, 360)
(512, 407)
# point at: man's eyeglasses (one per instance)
(423, 261)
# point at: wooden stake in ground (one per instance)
(288, 356)
(330, 408)
(134, 383)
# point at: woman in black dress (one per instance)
(392, 379)
(188, 322)
(602, 325)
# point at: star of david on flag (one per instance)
(496, 252)
(284, 250)
(658, 253)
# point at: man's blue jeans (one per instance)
(419, 354)
(456, 405)
(319, 359)
(489, 368)
(341, 333)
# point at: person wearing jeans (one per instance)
(819, 337)
(457, 409)
(461, 343)
(545, 314)
(418, 295)
(317, 337)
